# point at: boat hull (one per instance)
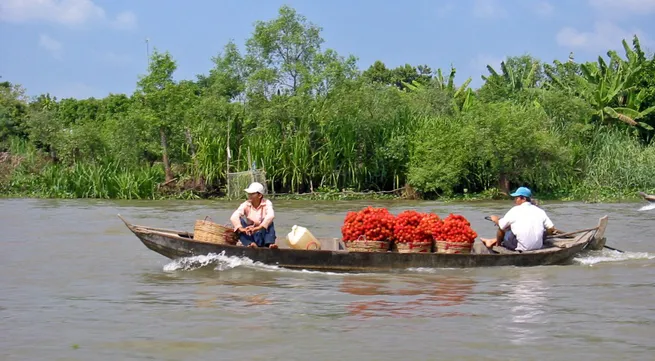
(173, 244)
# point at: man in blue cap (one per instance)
(524, 227)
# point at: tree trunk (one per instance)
(199, 181)
(191, 148)
(164, 148)
(503, 183)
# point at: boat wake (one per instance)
(647, 207)
(595, 257)
(219, 261)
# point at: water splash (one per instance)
(591, 259)
(647, 207)
(220, 261)
(430, 270)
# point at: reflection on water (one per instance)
(72, 274)
(527, 298)
(418, 296)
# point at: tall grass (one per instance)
(89, 181)
(616, 164)
(357, 140)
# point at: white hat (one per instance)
(255, 188)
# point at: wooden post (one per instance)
(251, 170)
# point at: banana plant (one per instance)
(610, 88)
(462, 95)
(516, 73)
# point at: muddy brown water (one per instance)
(75, 284)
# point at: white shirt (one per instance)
(528, 223)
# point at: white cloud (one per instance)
(63, 12)
(68, 12)
(51, 45)
(642, 7)
(125, 20)
(489, 9)
(543, 8)
(605, 36)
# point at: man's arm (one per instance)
(235, 219)
(270, 215)
(506, 221)
(550, 227)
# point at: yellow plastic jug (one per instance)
(302, 238)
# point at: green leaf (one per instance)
(646, 126)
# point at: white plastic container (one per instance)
(302, 238)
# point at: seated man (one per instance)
(253, 220)
(524, 227)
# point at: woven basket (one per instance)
(414, 247)
(210, 232)
(364, 245)
(453, 247)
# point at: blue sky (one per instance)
(83, 48)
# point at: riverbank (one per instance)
(600, 197)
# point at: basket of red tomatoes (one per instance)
(368, 230)
(377, 230)
(455, 235)
(411, 233)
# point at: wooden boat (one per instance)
(648, 197)
(559, 250)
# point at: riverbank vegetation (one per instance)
(317, 124)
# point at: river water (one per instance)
(75, 284)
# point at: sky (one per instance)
(91, 48)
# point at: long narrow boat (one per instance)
(177, 244)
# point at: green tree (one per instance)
(517, 73)
(228, 77)
(284, 57)
(164, 103)
(13, 111)
(281, 52)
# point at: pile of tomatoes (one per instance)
(408, 228)
(431, 224)
(378, 224)
(373, 224)
(457, 229)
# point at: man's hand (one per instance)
(253, 229)
(495, 219)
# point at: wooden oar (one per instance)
(560, 235)
(580, 231)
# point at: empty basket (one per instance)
(210, 232)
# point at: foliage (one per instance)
(314, 122)
(488, 145)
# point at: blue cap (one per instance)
(522, 191)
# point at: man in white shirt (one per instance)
(524, 227)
